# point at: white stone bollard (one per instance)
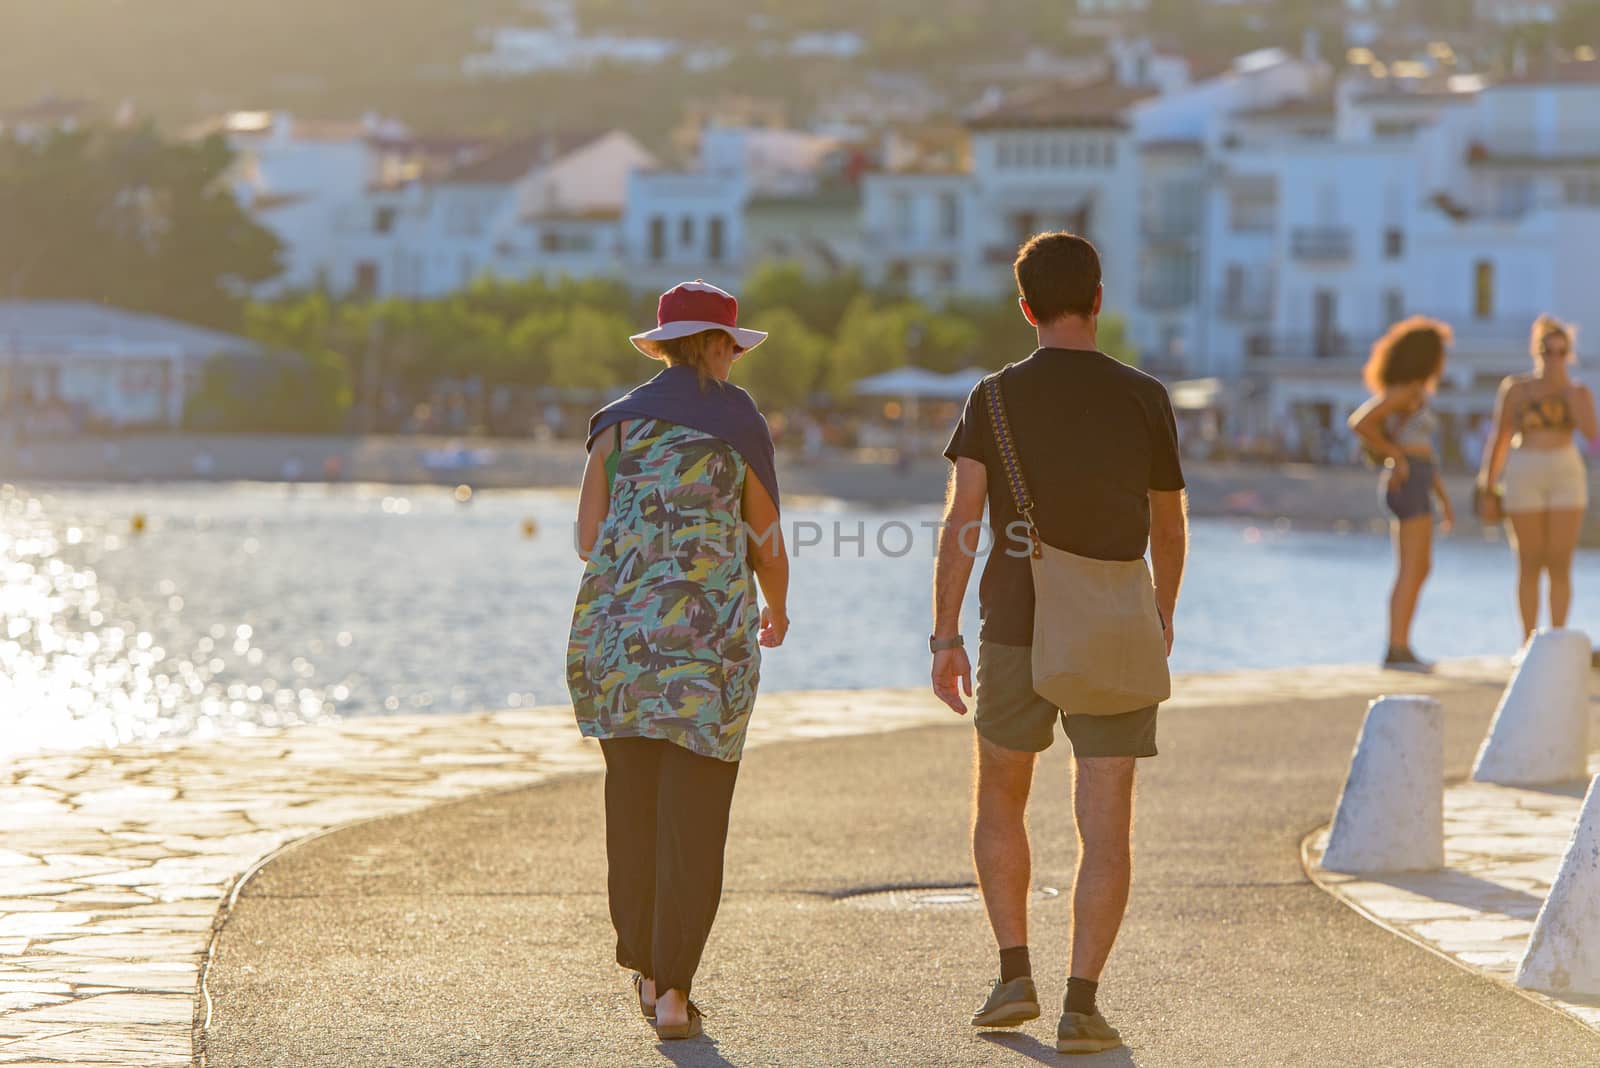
(1540, 732)
(1390, 815)
(1563, 954)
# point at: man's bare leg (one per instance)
(1102, 801)
(1000, 851)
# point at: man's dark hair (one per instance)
(1058, 274)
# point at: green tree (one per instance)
(821, 303)
(592, 352)
(277, 392)
(123, 217)
(785, 370)
(1114, 341)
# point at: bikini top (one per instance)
(1546, 413)
(1414, 430)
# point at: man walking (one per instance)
(1098, 446)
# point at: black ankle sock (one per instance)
(1014, 963)
(1080, 995)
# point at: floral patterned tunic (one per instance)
(663, 640)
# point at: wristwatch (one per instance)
(939, 645)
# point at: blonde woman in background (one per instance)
(1546, 485)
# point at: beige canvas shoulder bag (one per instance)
(1098, 642)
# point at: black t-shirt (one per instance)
(1095, 436)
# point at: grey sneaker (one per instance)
(1009, 1004)
(1077, 1033)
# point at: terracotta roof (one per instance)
(268, 201)
(1308, 107)
(1098, 104)
(513, 160)
(1173, 144)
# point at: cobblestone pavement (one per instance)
(113, 864)
(1502, 848)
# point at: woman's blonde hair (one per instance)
(691, 351)
(1548, 326)
(1412, 351)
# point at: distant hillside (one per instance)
(180, 59)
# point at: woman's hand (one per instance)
(1488, 502)
(774, 627)
(1399, 470)
(1448, 523)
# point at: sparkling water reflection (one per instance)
(150, 611)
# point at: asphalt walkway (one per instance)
(475, 933)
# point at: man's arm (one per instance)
(959, 538)
(1169, 545)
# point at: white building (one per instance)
(1478, 205)
(709, 220)
(72, 365)
(365, 207)
(1125, 161)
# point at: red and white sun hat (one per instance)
(692, 308)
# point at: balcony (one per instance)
(1245, 306)
(1173, 228)
(1325, 345)
(1322, 244)
(1165, 296)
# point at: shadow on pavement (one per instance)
(1459, 888)
(694, 1053)
(1034, 1050)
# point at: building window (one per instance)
(383, 220)
(949, 215)
(1394, 243)
(1058, 153)
(946, 273)
(1075, 154)
(1091, 154)
(366, 278)
(899, 274)
(715, 239)
(1038, 155)
(1483, 289)
(905, 223)
(1585, 191)
(686, 231)
(658, 238)
(1111, 154)
(1325, 317)
(1394, 306)
(1024, 224)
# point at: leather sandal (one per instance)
(692, 1029)
(647, 1010)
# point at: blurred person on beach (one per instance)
(1098, 442)
(1545, 489)
(1398, 428)
(677, 524)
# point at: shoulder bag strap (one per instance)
(1007, 448)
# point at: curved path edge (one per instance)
(116, 865)
(1503, 846)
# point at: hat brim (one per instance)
(646, 342)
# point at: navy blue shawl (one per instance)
(720, 409)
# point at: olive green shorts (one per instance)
(1011, 715)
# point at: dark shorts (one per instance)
(1414, 496)
(1011, 715)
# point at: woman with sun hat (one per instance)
(677, 524)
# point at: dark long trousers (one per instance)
(666, 827)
